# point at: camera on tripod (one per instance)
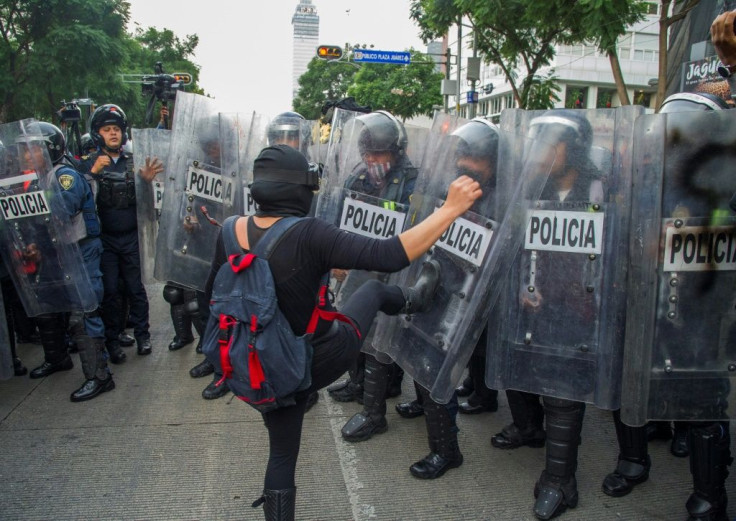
(69, 112)
(162, 86)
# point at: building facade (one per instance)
(305, 40)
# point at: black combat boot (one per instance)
(117, 355)
(204, 368)
(351, 389)
(52, 330)
(557, 488)
(442, 433)
(633, 459)
(678, 447)
(526, 430)
(98, 377)
(278, 505)
(372, 420)
(182, 327)
(419, 296)
(481, 399)
(214, 391)
(710, 457)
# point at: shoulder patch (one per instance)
(85, 157)
(66, 181)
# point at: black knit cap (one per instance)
(283, 164)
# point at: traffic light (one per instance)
(329, 52)
(183, 77)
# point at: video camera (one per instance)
(162, 86)
(69, 111)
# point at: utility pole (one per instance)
(472, 107)
(448, 57)
(459, 62)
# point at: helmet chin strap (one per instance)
(112, 150)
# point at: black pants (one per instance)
(121, 260)
(334, 353)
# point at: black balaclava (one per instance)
(280, 198)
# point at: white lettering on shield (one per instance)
(24, 205)
(574, 232)
(251, 207)
(208, 185)
(158, 195)
(696, 248)
(466, 240)
(370, 221)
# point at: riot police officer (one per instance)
(385, 172)
(112, 169)
(87, 329)
(708, 442)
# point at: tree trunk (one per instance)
(623, 93)
(662, 73)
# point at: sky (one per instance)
(245, 46)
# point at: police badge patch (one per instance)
(66, 181)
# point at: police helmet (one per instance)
(478, 139)
(382, 132)
(86, 144)
(563, 126)
(108, 114)
(288, 128)
(51, 137)
(692, 101)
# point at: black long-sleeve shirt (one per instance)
(309, 250)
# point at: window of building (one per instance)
(653, 8)
(576, 97)
(624, 47)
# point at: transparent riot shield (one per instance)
(198, 195)
(150, 144)
(474, 254)
(366, 184)
(681, 329)
(562, 317)
(6, 356)
(39, 242)
(243, 137)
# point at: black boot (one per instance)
(442, 433)
(372, 420)
(18, 368)
(482, 399)
(412, 409)
(117, 355)
(204, 368)
(633, 459)
(278, 505)
(678, 446)
(526, 430)
(557, 488)
(214, 391)
(710, 457)
(351, 389)
(419, 296)
(125, 339)
(182, 327)
(465, 388)
(52, 330)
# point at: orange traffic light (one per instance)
(183, 77)
(329, 52)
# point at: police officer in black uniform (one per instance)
(87, 329)
(387, 173)
(112, 168)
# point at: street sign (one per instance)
(472, 96)
(371, 56)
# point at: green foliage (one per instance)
(520, 35)
(322, 81)
(54, 50)
(404, 90)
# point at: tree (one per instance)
(54, 50)
(520, 35)
(48, 50)
(322, 81)
(665, 21)
(404, 90)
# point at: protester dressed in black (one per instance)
(309, 250)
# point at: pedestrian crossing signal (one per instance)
(329, 52)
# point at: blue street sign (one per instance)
(371, 56)
(472, 96)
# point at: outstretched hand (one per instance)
(152, 168)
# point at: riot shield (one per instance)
(360, 192)
(198, 196)
(474, 253)
(150, 144)
(6, 356)
(681, 328)
(243, 137)
(39, 242)
(561, 328)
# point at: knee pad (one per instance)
(173, 295)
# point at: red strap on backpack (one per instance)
(328, 316)
(240, 262)
(255, 369)
(224, 341)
